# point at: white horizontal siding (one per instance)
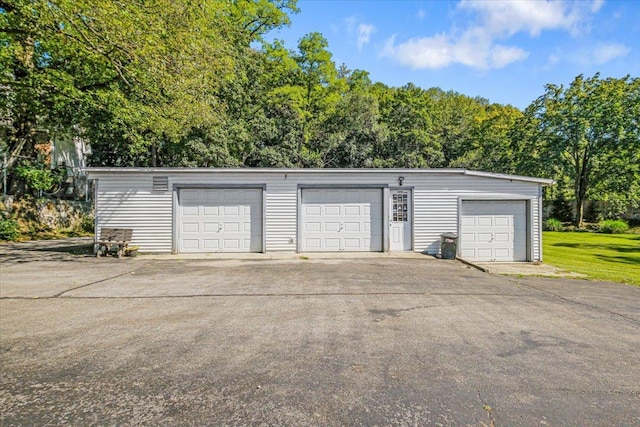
(131, 203)
(281, 216)
(126, 199)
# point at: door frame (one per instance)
(528, 218)
(175, 203)
(411, 191)
(385, 207)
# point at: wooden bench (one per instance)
(113, 240)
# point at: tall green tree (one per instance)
(452, 122)
(135, 78)
(406, 112)
(487, 146)
(588, 133)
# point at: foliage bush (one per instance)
(553, 224)
(613, 226)
(592, 213)
(562, 208)
(9, 229)
(38, 179)
(87, 224)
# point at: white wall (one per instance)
(126, 199)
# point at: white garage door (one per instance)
(494, 230)
(341, 220)
(219, 220)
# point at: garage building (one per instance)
(203, 210)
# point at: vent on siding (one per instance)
(160, 183)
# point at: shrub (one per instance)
(613, 226)
(9, 229)
(562, 208)
(87, 224)
(37, 178)
(592, 213)
(553, 224)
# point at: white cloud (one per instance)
(479, 44)
(427, 52)
(421, 14)
(604, 53)
(473, 49)
(364, 34)
(361, 30)
(505, 18)
(596, 5)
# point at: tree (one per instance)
(589, 133)
(406, 112)
(452, 121)
(135, 77)
(487, 147)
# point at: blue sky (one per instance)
(505, 51)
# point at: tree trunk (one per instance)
(581, 193)
(154, 155)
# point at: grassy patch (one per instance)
(611, 257)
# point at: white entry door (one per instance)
(493, 230)
(400, 220)
(335, 220)
(219, 220)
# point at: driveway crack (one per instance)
(488, 409)
(60, 294)
(571, 301)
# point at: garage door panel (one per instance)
(312, 244)
(352, 210)
(352, 227)
(493, 230)
(190, 243)
(210, 196)
(210, 211)
(331, 227)
(484, 237)
(190, 227)
(189, 196)
(313, 227)
(503, 237)
(502, 221)
(468, 221)
(484, 253)
(189, 211)
(313, 210)
(331, 244)
(231, 227)
(341, 220)
(332, 210)
(502, 253)
(210, 244)
(217, 220)
(484, 221)
(210, 227)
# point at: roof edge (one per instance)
(458, 171)
(543, 181)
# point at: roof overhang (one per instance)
(96, 172)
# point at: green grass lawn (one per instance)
(611, 257)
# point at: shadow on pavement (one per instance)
(72, 249)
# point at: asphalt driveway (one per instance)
(362, 341)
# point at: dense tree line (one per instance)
(178, 83)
